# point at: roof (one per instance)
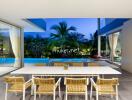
(113, 25)
(39, 22)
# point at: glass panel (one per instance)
(114, 47)
(9, 45)
(65, 40)
(118, 51)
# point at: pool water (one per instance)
(45, 60)
(71, 60)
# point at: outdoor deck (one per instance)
(125, 90)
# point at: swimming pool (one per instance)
(45, 60)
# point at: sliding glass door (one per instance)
(115, 47)
(10, 45)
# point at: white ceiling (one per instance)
(15, 10)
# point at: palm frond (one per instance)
(72, 28)
(53, 35)
(56, 28)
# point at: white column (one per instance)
(106, 52)
(99, 39)
(22, 46)
(99, 46)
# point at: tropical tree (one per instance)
(34, 46)
(74, 39)
(1, 36)
(61, 33)
(94, 42)
(64, 41)
(1, 44)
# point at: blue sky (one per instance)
(85, 26)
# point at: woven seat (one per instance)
(59, 64)
(77, 64)
(76, 86)
(45, 86)
(40, 64)
(45, 89)
(16, 85)
(91, 64)
(105, 87)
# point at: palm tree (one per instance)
(62, 30)
(74, 39)
(1, 36)
(1, 44)
(34, 46)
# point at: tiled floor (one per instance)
(125, 91)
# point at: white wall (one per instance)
(126, 42)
